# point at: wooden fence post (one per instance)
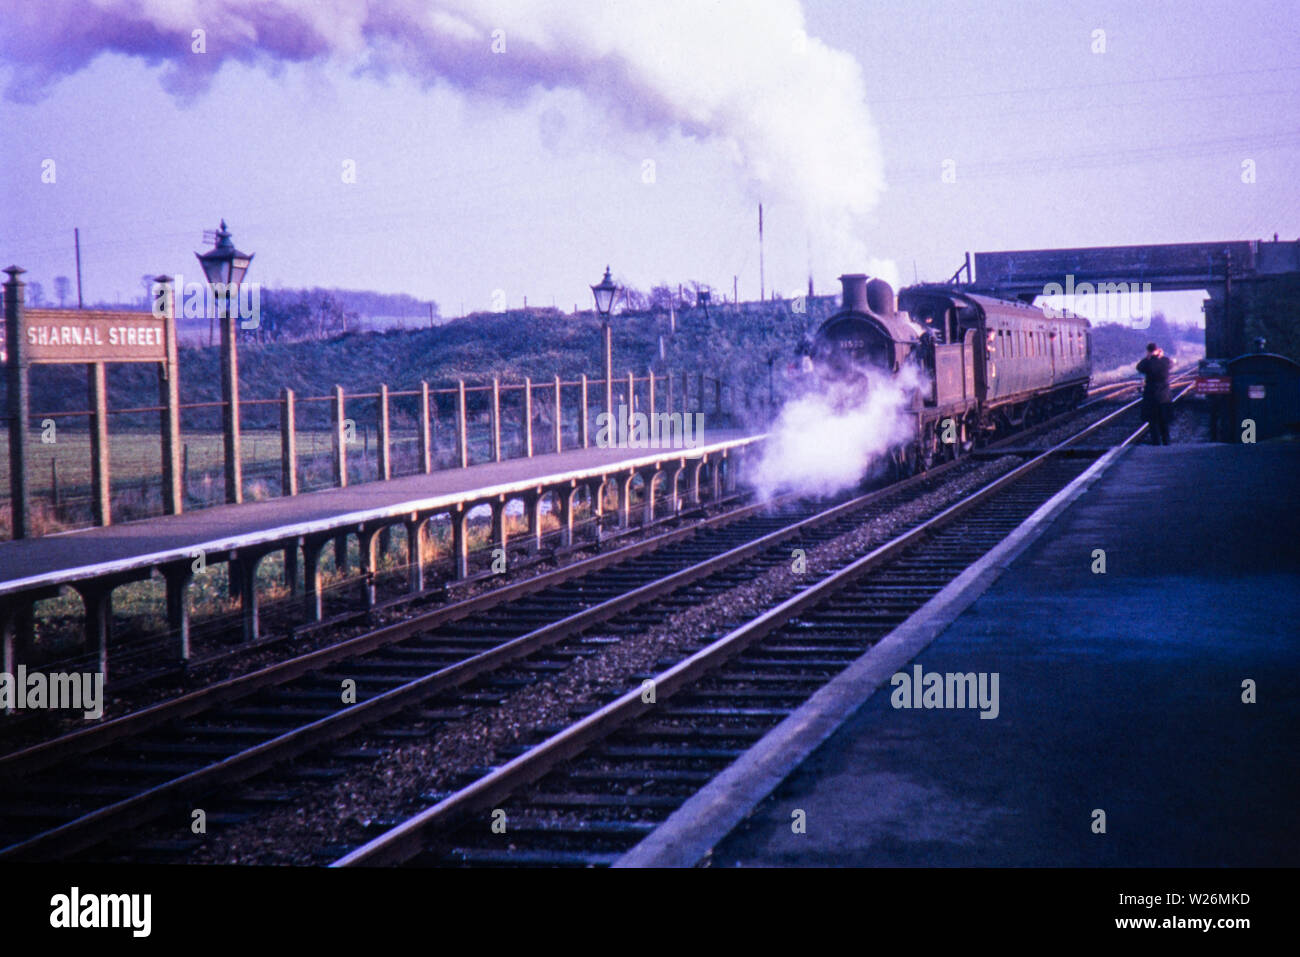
(528, 417)
(288, 444)
(169, 396)
(559, 419)
(651, 377)
(99, 471)
(384, 451)
(462, 437)
(340, 440)
(631, 395)
(496, 419)
(582, 422)
(426, 450)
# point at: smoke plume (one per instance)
(837, 433)
(789, 109)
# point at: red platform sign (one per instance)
(1213, 385)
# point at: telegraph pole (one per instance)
(76, 239)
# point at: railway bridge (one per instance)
(1222, 269)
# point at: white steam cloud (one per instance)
(831, 438)
(788, 108)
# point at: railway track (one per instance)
(77, 792)
(137, 660)
(589, 792)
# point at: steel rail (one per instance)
(408, 839)
(93, 827)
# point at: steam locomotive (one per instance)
(983, 366)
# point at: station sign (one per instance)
(90, 335)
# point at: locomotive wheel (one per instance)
(929, 454)
(971, 432)
(901, 464)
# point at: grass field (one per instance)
(135, 465)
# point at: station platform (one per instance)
(78, 555)
(1120, 692)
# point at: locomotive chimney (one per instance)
(855, 291)
(872, 296)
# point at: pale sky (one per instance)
(526, 171)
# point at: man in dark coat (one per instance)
(1157, 401)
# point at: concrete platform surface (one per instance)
(1119, 692)
(73, 555)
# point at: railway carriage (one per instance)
(987, 366)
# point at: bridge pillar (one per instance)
(596, 492)
(368, 540)
(1224, 336)
(415, 553)
(568, 501)
(341, 553)
(696, 471)
(649, 476)
(291, 567)
(624, 486)
(674, 495)
(97, 598)
(732, 460)
(533, 512)
(16, 625)
(459, 517)
(312, 547)
(246, 563)
(178, 577)
(500, 534)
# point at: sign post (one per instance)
(93, 337)
(16, 384)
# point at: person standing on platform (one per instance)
(1157, 400)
